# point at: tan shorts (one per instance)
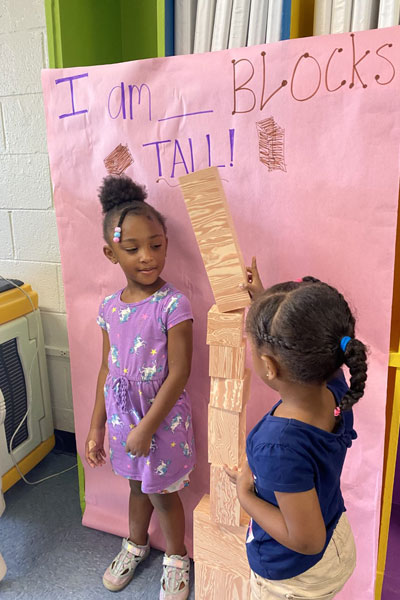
(323, 581)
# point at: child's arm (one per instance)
(297, 523)
(180, 341)
(94, 448)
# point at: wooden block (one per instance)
(222, 546)
(225, 508)
(224, 503)
(215, 233)
(225, 329)
(226, 437)
(230, 394)
(227, 361)
(212, 583)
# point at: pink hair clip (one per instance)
(299, 280)
(337, 411)
(117, 235)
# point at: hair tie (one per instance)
(117, 235)
(337, 411)
(300, 280)
(344, 341)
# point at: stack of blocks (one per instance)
(221, 566)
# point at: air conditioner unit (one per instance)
(3, 567)
(23, 382)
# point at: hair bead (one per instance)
(120, 196)
(117, 235)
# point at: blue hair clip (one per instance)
(344, 341)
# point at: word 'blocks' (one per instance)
(224, 503)
(221, 546)
(230, 394)
(213, 227)
(225, 329)
(226, 437)
(227, 362)
(213, 583)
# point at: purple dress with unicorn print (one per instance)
(138, 365)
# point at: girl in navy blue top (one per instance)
(299, 542)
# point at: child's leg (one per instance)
(176, 564)
(135, 549)
(140, 511)
(172, 521)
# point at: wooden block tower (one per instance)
(222, 570)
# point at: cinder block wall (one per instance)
(29, 248)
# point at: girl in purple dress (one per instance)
(147, 351)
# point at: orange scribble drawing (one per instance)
(118, 160)
(271, 142)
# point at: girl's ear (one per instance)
(271, 367)
(109, 253)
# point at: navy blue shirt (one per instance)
(286, 455)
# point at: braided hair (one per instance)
(302, 324)
(120, 196)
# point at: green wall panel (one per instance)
(142, 29)
(93, 32)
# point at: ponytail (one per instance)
(355, 358)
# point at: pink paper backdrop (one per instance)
(331, 214)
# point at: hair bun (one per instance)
(116, 191)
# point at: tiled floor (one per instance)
(50, 555)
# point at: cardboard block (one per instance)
(222, 546)
(227, 361)
(224, 503)
(226, 437)
(230, 394)
(225, 329)
(216, 237)
(212, 583)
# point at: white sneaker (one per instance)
(123, 567)
(175, 572)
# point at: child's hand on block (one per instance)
(243, 478)
(232, 473)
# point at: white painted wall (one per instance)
(29, 248)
